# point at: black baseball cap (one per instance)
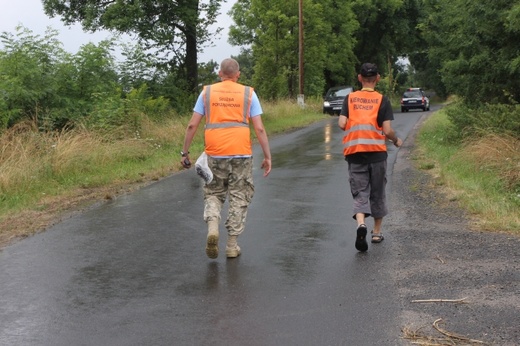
(368, 70)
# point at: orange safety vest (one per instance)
(227, 130)
(363, 134)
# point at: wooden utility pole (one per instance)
(301, 99)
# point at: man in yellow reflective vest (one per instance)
(228, 107)
(366, 117)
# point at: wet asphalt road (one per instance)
(133, 271)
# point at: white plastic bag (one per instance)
(202, 168)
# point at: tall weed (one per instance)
(481, 172)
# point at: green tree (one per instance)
(137, 69)
(93, 78)
(340, 59)
(388, 30)
(476, 50)
(271, 29)
(276, 49)
(246, 61)
(176, 29)
(96, 70)
(41, 82)
(208, 73)
(140, 71)
(28, 64)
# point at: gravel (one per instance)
(439, 256)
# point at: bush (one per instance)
(485, 119)
(138, 101)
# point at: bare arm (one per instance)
(342, 122)
(390, 133)
(261, 134)
(191, 129)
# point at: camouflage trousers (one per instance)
(232, 178)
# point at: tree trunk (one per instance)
(191, 48)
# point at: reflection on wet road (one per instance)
(134, 272)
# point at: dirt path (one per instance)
(439, 257)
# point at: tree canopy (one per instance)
(175, 29)
(472, 53)
(42, 82)
(338, 37)
(475, 51)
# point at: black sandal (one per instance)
(361, 238)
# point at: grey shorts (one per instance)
(367, 185)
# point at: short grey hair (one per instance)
(229, 67)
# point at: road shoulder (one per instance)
(436, 256)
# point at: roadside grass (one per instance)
(481, 174)
(286, 115)
(44, 176)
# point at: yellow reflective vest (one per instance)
(227, 106)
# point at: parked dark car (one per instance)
(333, 99)
(414, 98)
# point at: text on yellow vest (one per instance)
(227, 130)
(363, 134)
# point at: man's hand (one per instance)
(266, 166)
(186, 163)
(398, 142)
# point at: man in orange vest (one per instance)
(366, 117)
(227, 108)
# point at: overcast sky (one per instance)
(29, 13)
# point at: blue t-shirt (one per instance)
(256, 108)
